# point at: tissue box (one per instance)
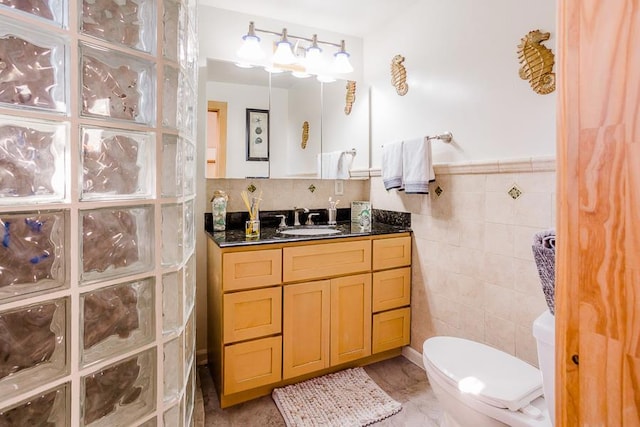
(361, 215)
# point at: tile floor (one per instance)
(401, 379)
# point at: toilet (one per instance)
(480, 386)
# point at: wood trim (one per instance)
(221, 108)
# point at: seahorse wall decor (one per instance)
(305, 135)
(351, 96)
(399, 75)
(536, 62)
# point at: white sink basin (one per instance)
(311, 231)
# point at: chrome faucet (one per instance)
(296, 214)
(311, 215)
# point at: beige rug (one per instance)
(347, 398)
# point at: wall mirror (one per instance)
(306, 125)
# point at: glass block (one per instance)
(169, 96)
(172, 20)
(33, 67)
(188, 227)
(125, 22)
(34, 346)
(192, 56)
(121, 393)
(189, 340)
(32, 160)
(117, 164)
(116, 319)
(186, 113)
(115, 242)
(172, 234)
(33, 252)
(153, 422)
(50, 408)
(189, 168)
(50, 10)
(172, 416)
(172, 302)
(117, 86)
(189, 398)
(172, 369)
(172, 166)
(189, 285)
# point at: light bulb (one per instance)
(341, 62)
(250, 49)
(284, 53)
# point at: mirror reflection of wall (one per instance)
(291, 102)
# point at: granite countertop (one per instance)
(235, 236)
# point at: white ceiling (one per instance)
(351, 17)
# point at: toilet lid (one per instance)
(491, 375)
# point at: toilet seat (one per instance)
(484, 373)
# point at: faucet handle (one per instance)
(283, 220)
(309, 221)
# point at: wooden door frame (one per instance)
(221, 108)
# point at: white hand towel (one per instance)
(330, 163)
(392, 165)
(417, 169)
(344, 165)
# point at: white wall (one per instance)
(462, 69)
(239, 98)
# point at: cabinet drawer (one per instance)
(391, 289)
(325, 260)
(391, 329)
(251, 269)
(252, 364)
(252, 314)
(391, 253)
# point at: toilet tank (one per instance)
(544, 330)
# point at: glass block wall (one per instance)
(97, 145)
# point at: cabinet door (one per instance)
(251, 269)
(350, 318)
(325, 260)
(391, 329)
(306, 328)
(252, 364)
(252, 314)
(391, 253)
(391, 289)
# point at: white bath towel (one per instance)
(392, 165)
(417, 168)
(330, 164)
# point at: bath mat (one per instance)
(346, 398)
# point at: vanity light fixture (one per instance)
(288, 57)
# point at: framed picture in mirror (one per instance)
(257, 135)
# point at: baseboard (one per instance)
(413, 356)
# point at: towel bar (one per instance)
(445, 137)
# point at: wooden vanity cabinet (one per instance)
(283, 313)
(391, 294)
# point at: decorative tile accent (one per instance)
(515, 192)
(438, 191)
(251, 188)
(312, 188)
